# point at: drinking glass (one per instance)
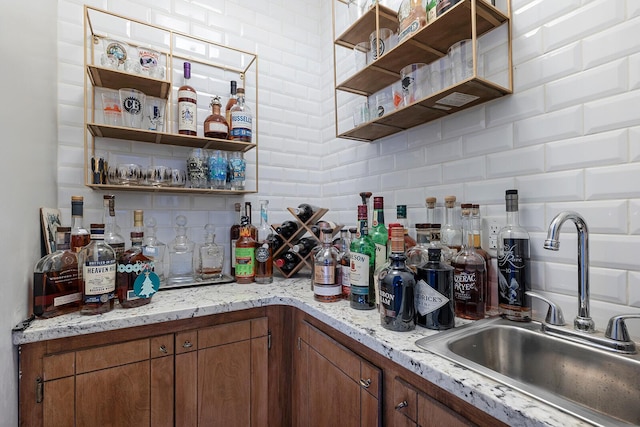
(111, 108)
(238, 167)
(461, 59)
(154, 113)
(380, 45)
(218, 169)
(412, 77)
(132, 102)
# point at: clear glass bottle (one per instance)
(154, 249)
(397, 284)
(469, 274)
(112, 235)
(181, 255)
(233, 99)
(234, 235)
(210, 257)
(514, 264)
(97, 272)
(187, 105)
(198, 169)
(56, 289)
(245, 253)
(436, 242)
(241, 119)
(451, 235)
(238, 168)
(401, 218)
(417, 255)
(344, 259)
(80, 236)
(215, 125)
(431, 210)
(136, 280)
(264, 249)
(325, 270)
(434, 294)
(363, 253)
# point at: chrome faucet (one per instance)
(583, 321)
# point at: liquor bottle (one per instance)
(366, 196)
(181, 259)
(304, 212)
(230, 103)
(111, 235)
(187, 105)
(241, 119)
(56, 289)
(264, 249)
(136, 280)
(469, 274)
(397, 283)
(245, 253)
(287, 261)
(451, 234)
(325, 270)
(252, 228)
(363, 253)
(210, 257)
(431, 210)
(344, 259)
(418, 255)
(154, 249)
(304, 246)
(234, 235)
(379, 233)
(215, 125)
(401, 218)
(97, 272)
(198, 169)
(79, 235)
(434, 294)
(436, 242)
(491, 285)
(287, 229)
(513, 264)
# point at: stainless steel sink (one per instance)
(598, 386)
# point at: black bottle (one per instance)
(434, 293)
(305, 211)
(287, 261)
(287, 229)
(304, 246)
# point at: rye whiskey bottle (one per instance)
(97, 272)
(513, 265)
(79, 235)
(245, 254)
(215, 126)
(187, 105)
(325, 270)
(434, 293)
(136, 281)
(397, 283)
(264, 249)
(241, 119)
(363, 253)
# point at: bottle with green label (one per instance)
(245, 253)
(363, 252)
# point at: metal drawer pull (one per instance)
(163, 349)
(365, 383)
(187, 344)
(402, 404)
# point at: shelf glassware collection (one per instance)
(139, 44)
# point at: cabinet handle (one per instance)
(187, 344)
(163, 349)
(365, 383)
(402, 404)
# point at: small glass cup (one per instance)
(362, 54)
(116, 53)
(132, 102)
(129, 173)
(154, 114)
(440, 74)
(413, 80)
(218, 169)
(149, 60)
(158, 176)
(178, 178)
(380, 45)
(111, 108)
(461, 59)
(238, 168)
(361, 114)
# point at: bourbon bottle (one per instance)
(97, 272)
(215, 126)
(79, 235)
(241, 120)
(233, 99)
(187, 105)
(264, 249)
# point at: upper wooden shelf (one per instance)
(115, 79)
(141, 135)
(173, 190)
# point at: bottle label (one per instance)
(391, 296)
(346, 281)
(428, 299)
(186, 113)
(245, 260)
(216, 127)
(118, 248)
(150, 251)
(326, 291)
(241, 124)
(263, 253)
(359, 271)
(147, 281)
(233, 252)
(324, 274)
(381, 254)
(465, 285)
(99, 279)
(512, 272)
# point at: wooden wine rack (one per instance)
(303, 228)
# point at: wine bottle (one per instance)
(287, 229)
(287, 261)
(187, 105)
(305, 211)
(304, 246)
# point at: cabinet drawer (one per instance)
(111, 355)
(405, 399)
(186, 341)
(162, 346)
(58, 366)
(224, 334)
(370, 378)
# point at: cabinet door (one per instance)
(433, 413)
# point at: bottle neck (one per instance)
(513, 218)
(378, 217)
(76, 222)
(136, 239)
(215, 109)
(363, 227)
(264, 216)
(449, 215)
(467, 236)
(109, 221)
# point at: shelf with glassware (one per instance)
(213, 67)
(428, 46)
(305, 229)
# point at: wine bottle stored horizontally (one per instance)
(287, 261)
(304, 246)
(287, 229)
(305, 211)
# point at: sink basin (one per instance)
(598, 386)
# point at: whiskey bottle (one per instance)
(245, 253)
(241, 119)
(434, 294)
(363, 253)
(436, 242)
(56, 289)
(264, 248)
(252, 228)
(187, 105)
(181, 255)
(154, 249)
(469, 274)
(513, 264)
(79, 235)
(397, 283)
(210, 256)
(451, 235)
(234, 235)
(401, 218)
(111, 229)
(325, 270)
(491, 285)
(344, 259)
(287, 229)
(97, 272)
(215, 125)
(136, 280)
(233, 99)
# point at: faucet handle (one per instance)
(617, 329)
(554, 313)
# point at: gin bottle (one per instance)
(363, 253)
(181, 259)
(97, 272)
(434, 293)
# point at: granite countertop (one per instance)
(500, 401)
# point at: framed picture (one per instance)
(50, 220)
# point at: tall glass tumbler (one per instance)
(132, 102)
(218, 169)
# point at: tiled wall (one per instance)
(568, 138)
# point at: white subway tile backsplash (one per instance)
(588, 151)
(524, 161)
(613, 43)
(489, 140)
(634, 289)
(464, 122)
(487, 192)
(549, 127)
(425, 176)
(471, 169)
(605, 284)
(444, 151)
(634, 216)
(539, 12)
(602, 217)
(614, 251)
(548, 67)
(612, 113)
(556, 186)
(611, 182)
(518, 106)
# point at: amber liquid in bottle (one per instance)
(215, 126)
(245, 254)
(233, 100)
(80, 236)
(264, 248)
(187, 105)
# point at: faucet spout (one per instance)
(582, 322)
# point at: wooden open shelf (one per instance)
(115, 79)
(173, 190)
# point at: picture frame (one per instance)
(50, 221)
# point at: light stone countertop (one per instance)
(500, 401)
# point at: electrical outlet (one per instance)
(491, 226)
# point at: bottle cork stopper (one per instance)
(449, 201)
(397, 239)
(431, 202)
